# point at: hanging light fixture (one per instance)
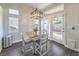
(36, 13)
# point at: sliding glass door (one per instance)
(44, 25)
(58, 28)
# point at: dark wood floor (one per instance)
(56, 49)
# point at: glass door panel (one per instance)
(58, 28)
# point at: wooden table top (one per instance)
(32, 36)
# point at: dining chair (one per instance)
(27, 44)
(42, 45)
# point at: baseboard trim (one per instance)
(57, 42)
(77, 50)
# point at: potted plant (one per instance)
(35, 30)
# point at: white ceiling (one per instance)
(40, 6)
(56, 9)
(48, 8)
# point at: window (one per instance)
(44, 25)
(13, 24)
(57, 20)
(13, 11)
(13, 20)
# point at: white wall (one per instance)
(72, 20)
(1, 28)
(25, 24)
(6, 20)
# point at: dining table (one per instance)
(34, 38)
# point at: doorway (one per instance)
(58, 29)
